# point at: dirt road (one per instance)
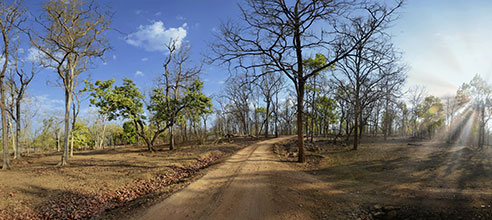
(252, 184)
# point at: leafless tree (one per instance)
(370, 72)
(18, 81)
(11, 17)
(269, 85)
(279, 32)
(239, 94)
(73, 36)
(416, 96)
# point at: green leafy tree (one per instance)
(81, 136)
(326, 109)
(179, 89)
(168, 110)
(129, 133)
(477, 93)
(313, 89)
(125, 102)
(431, 112)
(121, 102)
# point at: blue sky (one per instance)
(445, 42)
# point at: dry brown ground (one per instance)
(382, 180)
(252, 184)
(395, 180)
(35, 179)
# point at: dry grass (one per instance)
(424, 179)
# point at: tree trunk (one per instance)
(71, 141)
(356, 118)
(313, 108)
(5, 135)
(11, 127)
(17, 130)
(267, 118)
(276, 115)
(300, 137)
(171, 138)
(185, 136)
(386, 119)
(101, 141)
(68, 100)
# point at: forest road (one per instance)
(251, 184)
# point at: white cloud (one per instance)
(114, 57)
(48, 106)
(138, 12)
(221, 82)
(35, 55)
(145, 59)
(181, 18)
(139, 73)
(158, 13)
(155, 36)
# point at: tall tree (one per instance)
(180, 89)
(432, 113)
(78, 97)
(18, 81)
(73, 36)
(416, 96)
(11, 17)
(269, 87)
(479, 95)
(239, 94)
(279, 32)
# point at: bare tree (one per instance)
(278, 33)
(179, 76)
(367, 72)
(74, 34)
(18, 81)
(416, 95)
(78, 96)
(11, 17)
(239, 95)
(269, 86)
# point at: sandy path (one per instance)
(252, 184)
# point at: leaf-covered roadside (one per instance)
(85, 204)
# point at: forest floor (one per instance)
(399, 178)
(101, 181)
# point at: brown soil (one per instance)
(395, 179)
(252, 184)
(35, 182)
(398, 179)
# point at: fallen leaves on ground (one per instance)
(86, 204)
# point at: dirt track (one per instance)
(252, 184)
